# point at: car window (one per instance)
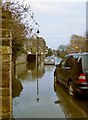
(63, 64)
(69, 61)
(80, 58)
(85, 62)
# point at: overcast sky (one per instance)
(59, 19)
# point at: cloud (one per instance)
(52, 1)
(59, 19)
(48, 5)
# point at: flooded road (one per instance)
(36, 96)
(73, 108)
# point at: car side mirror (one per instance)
(57, 65)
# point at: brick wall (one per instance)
(6, 66)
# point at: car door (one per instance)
(63, 73)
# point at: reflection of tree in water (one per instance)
(16, 87)
(36, 72)
(31, 65)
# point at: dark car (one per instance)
(72, 72)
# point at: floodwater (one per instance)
(36, 96)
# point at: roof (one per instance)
(77, 54)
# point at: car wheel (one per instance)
(71, 90)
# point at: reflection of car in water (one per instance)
(73, 108)
(72, 72)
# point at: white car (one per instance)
(49, 61)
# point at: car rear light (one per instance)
(82, 78)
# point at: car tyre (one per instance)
(71, 90)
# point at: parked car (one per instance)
(72, 72)
(49, 60)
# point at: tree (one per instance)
(77, 44)
(61, 51)
(21, 26)
(62, 48)
(50, 52)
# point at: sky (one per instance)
(59, 19)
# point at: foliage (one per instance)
(61, 51)
(21, 25)
(77, 44)
(62, 48)
(61, 54)
(50, 52)
(36, 45)
(16, 87)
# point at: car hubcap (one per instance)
(71, 90)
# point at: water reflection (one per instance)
(36, 71)
(73, 108)
(24, 72)
(21, 70)
(16, 87)
(37, 97)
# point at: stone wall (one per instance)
(6, 66)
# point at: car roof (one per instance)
(75, 55)
(84, 56)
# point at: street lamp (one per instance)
(37, 99)
(76, 48)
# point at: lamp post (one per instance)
(37, 99)
(37, 71)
